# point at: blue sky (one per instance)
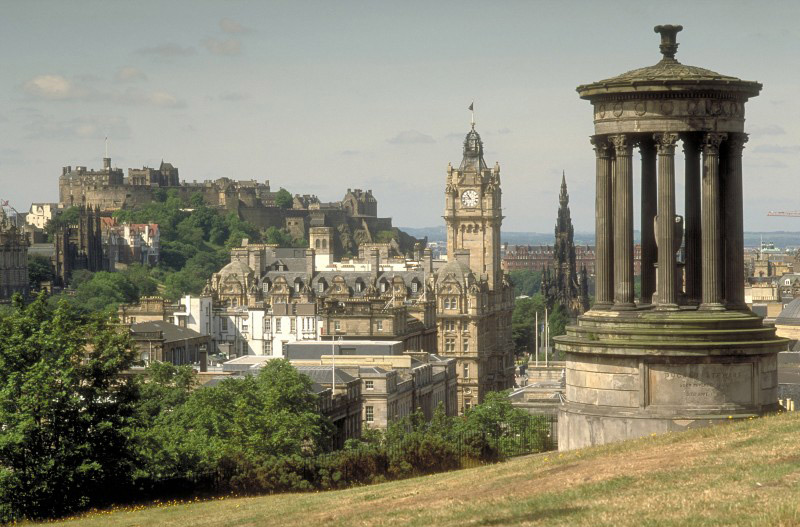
(319, 97)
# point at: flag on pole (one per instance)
(471, 106)
(4, 203)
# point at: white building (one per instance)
(41, 213)
(243, 330)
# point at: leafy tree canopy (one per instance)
(283, 199)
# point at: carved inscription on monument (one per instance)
(701, 384)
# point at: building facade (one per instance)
(474, 296)
(13, 258)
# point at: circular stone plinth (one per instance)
(633, 373)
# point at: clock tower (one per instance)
(472, 211)
(474, 298)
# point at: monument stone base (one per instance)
(634, 373)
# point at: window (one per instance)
(379, 325)
(449, 325)
(266, 347)
(369, 414)
(467, 403)
(278, 325)
(450, 345)
(359, 286)
(133, 320)
(466, 370)
(414, 287)
(337, 326)
(320, 287)
(245, 326)
(267, 325)
(369, 385)
(293, 325)
(224, 324)
(284, 343)
(383, 287)
(466, 345)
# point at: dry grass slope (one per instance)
(745, 473)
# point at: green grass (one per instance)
(743, 473)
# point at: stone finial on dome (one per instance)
(669, 44)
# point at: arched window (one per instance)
(321, 286)
(359, 287)
(324, 244)
(317, 243)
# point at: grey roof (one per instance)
(322, 374)
(790, 316)
(170, 332)
(458, 269)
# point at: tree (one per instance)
(283, 199)
(39, 270)
(526, 282)
(63, 407)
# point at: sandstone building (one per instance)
(13, 258)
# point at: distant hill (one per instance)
(781, 239)
(742, 473)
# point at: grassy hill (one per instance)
(745, 473)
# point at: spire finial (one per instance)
(669, 44)
(472, 114)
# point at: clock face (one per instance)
(469, 198)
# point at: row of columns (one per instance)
(713, 231)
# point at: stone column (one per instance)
(623, 223)
(691, 154)
(733, 224)
(712, 288)
(604, 285)
(665, 230)
(648, 211)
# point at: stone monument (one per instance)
(688, 352)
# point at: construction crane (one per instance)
(790, 213)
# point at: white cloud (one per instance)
(234, 96)
(231, 26)
(54, 87)
(229, 46)
(169, 50)
(777, 149)
(129, 74)
(157, 98)
(771, 129)
(409, 137)
(89, 127)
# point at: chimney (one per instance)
(427, 261)
(375, 260)
(310, 264)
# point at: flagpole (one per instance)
(546, 335)
(536, 339)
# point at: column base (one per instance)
(712, 306)
(739, 306)
(623, 306)
(667, 307)
(601, 306)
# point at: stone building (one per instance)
(130, 243)
(13, 258)
(164, 342)
(474, 298)
(354, 219)
(79, 245)
(562, 284)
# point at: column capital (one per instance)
(736, 143)
(665, 143)
(622, 144)
(711, 142)
(601, 146)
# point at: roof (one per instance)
(456, 268)
(170, 332)
(322, 374)
(790, 316)
(236, 267)
(668, 75)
